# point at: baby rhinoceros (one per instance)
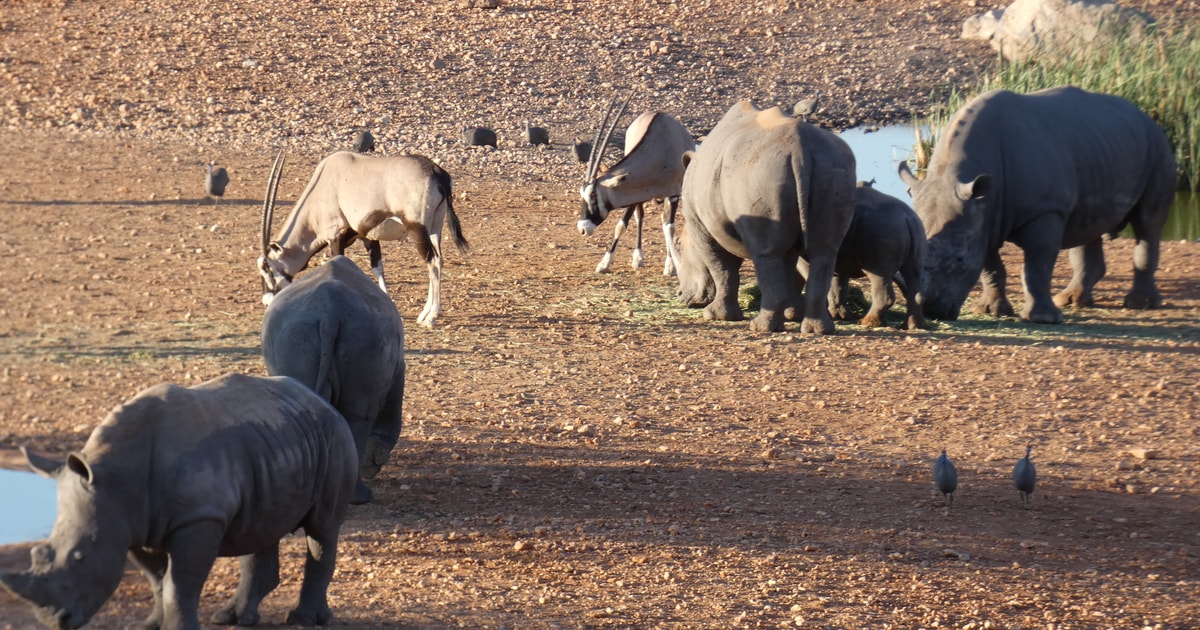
(885, 242)
(178, 476)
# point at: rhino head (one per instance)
(953, 213)
(696, 287)
(80, 566)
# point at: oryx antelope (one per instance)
(351, 197)
(652, 168)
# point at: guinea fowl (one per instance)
(215, 181)
(945, 476)
(1025, 477)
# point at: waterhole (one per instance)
(27, 506)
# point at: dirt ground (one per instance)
(579, 450)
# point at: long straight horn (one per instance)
(269, 200)
(597, 153)
(608, 133)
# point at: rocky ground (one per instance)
(579, 451)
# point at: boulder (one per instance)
(1054, 28)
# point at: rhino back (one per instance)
(256, 454)
(1091, 156)
(755, 166)
(884, 233)
(335, 331)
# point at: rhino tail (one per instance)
(327, 385)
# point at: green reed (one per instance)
(1157, 71)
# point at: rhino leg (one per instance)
(154, 567)
(816, 297)
(191, 551)
(882, 298)
(1087, 262)
(725, 272)
(993, 301)
(910, 285)
(1144, 294)
(775, 281)
(313, 607)
(1039, 306)
(386, 430)
(795, 308)
(259, 576)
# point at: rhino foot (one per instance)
(362, 494)
(817, 326)
(1044, 316)
(229, 616)
(1141, 301)
(723, 312)
(300, 616)
(376, 455)
(1076, 297)
(916, 322)
(766, 322)
(1000, 307)
(872, 320)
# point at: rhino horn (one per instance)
(23, 584)
(42, 465)
(907, 177)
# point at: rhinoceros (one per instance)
(885, 241)
(1054, 169)
(334, 330)
(769, 188)
(175, 477)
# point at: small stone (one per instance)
(1143, 453)
(522, 545)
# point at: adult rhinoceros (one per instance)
(335, 331)
(1050, 170)
(770, 188)
(176, 477)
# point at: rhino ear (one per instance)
(687, 158)
(79, 466)
(976, 188)
(41, 465)
(907, 177)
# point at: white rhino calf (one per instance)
(885, 240)
(178, 476)
(1050, 170)
(769, 188)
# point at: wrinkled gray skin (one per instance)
(769, 188)
(885, 240)
(334, 330)
(176, 477)
(1055, 169)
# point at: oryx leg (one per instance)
(375, 253)
(344, 239)
(606, 261)
(668, 225)
(433, 301)
(639, 215)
